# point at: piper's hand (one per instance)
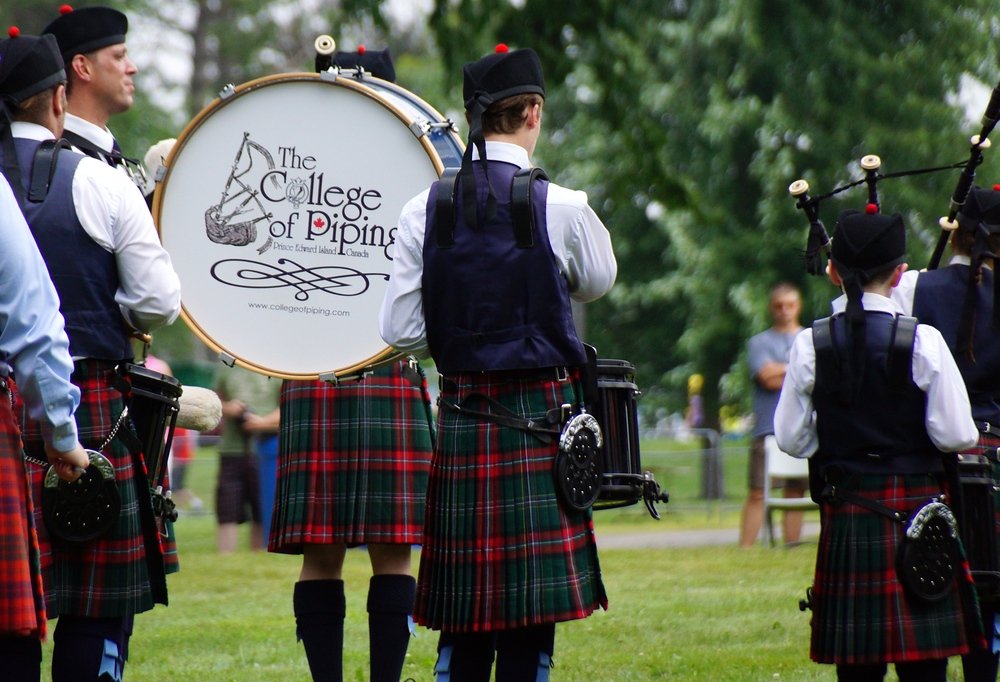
(68, 465)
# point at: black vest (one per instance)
(883, 432)
(490, 304)
(85, 275)
(938, 301)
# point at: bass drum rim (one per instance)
(387, 354)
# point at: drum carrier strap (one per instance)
(522, 213)
(43, 168)
(900, 362)
(444, 209)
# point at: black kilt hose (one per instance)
(108, 576)
(500, 551)
(860, 613)
(353, 460)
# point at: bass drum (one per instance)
(278, 207)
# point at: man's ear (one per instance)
(82, 67)
(59, 100)
(534, 115)
(898, 273)
(833, 275)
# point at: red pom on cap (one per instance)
(65, 9)
(996, 188)
(13, 31)
(871, 209)
(501, 48)
(361, 49)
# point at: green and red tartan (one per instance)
(108, 576)
(500, 551)
(860, 613)
(22, 603)
(353, 461)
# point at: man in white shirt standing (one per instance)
(113, 279)
(100, 74)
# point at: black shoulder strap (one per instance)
(87, 147)
(43, 168)
(826, 352)
(522, 214)
(444, 209)
(901, 352)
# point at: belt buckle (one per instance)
(562, 373)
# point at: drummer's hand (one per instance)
(68, 465)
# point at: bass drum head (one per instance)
(279, 207)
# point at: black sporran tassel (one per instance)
(816, 248)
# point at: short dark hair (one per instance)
(507, 115)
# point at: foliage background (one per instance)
(684, 121)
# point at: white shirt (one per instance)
(113, 212)
(580, 241)
(904, 292)
(948, 419)
(102, 137)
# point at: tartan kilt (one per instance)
(500, 551)
(353, 460)
(108, 576)
(22, 601)
(861, 614)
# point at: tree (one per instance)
(687, 121)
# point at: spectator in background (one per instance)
(768, 358)
(246, 397)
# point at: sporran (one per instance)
(84, 509)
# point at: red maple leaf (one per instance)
(318, 222)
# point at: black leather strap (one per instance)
(901, 352)
(444, 209)
(43, 168)
(543, 430)
(826, 354)
(521, 211)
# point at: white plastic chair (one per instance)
(779, 465)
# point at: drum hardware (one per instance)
(975, 509)
(807, 603)
(154, 402)
(624, 482)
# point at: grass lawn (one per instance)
(707, 613)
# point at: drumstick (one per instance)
(199, 409)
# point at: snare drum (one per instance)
(624, 481)
(278, 207)
(977, 522)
